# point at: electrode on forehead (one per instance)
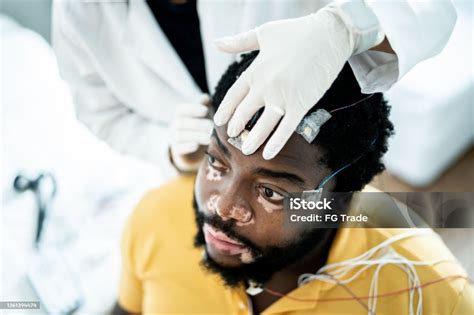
(312, 195)
(237, 141)
(310, 125)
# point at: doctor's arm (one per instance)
(300, 58)
(96, 106)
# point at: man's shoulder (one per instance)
(178, 186)
(171, 198)
(163, 214)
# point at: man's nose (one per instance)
(230, 207)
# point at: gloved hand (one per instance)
(298, 61)
(190, 131)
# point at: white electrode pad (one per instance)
(237, 141)
(310, 125)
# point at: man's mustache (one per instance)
(225, 226)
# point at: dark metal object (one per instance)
(44, 188)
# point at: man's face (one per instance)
(239, 204)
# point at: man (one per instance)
(171, 265)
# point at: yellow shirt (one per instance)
(161, 273)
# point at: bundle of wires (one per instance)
(341, 273)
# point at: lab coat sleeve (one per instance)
(97, 107)
(416, 30)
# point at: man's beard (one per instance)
(267, 260)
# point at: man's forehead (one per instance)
(297, 153)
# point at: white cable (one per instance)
(391, 240)
(379, 256)
(366, 255)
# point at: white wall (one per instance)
(33, 14)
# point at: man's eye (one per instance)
(270, 194)
(213, 162)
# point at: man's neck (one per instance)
(286, 280)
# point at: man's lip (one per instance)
(221, 235)
(222, 242)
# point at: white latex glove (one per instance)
(298, 61)
(190, 129)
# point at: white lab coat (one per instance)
(127, 79)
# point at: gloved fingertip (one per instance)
(233, 131)
(269, 153)
(247, 150)
(221, 45)
(248, 147)
(218, 120)
(204, 98)
(202, 110)
(223, 41)
(228, 44)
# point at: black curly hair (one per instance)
(357, 134)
